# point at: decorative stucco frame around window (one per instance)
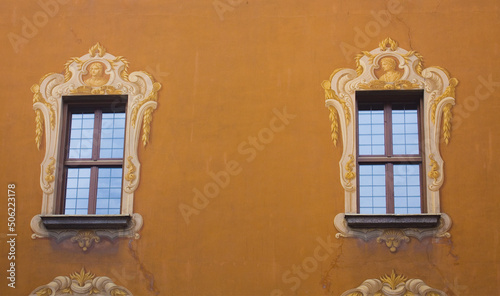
(395, 285)
(439, 92)
(114, 79)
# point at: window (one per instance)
(389, 154)
(391, 114)
(93, 148)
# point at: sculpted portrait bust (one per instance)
(390, 72)
(97, 78)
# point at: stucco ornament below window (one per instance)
(389, 67)
(395, 285)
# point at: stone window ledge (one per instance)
(392, 221)
(53, 222)
(86, 230)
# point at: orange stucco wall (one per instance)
(224, 69)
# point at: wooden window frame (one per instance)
(390, 99)
(96, 104)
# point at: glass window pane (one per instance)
(371, 132)
(407, 189)
(372, 193)
(106, 133)
(105, 153)
(112, 135)
(405, 131)
(109, 191)
(77, 191)
(81, 135)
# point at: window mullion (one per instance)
(389, 187)
(388, 129)
(93, 189)
(97, 134)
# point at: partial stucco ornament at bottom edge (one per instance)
(82, 283)
(394, 285)
(393, 238)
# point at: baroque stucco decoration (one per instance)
(393, 285)
(82, 283)
(391, 68)
(95, 73)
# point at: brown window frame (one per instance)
(90, 104)
(388, 99)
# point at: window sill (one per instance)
(54, 222)
(392, 221)
(392, 229)
(86, 229)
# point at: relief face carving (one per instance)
(97, 77)
(390, 72)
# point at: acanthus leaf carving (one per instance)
(80, 284)
(394, 285)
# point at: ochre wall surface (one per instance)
(226, 71)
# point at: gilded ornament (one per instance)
(394, 285)
(38, 98)
(449, 92)
(326, 83)
(393, 45)
(124, 71)
(330, 94)
(67, 72)
(420, 65)
(103, 90)
(97, 49)
(447, 115)
(447, 123)
(349, 175)
(82, 277)
(49, 170)
(434, 173)
(382, 85)
(393, 239)
(393, 281)
(335, 125)
(359, 67)
(81, 283)
(44, 292)
(146, 126)
(152, 97)
(38, 128)
(86, 239)
(130, 176)
(118, 292)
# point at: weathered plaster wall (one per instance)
(226, 72)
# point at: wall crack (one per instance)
(145, 272)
